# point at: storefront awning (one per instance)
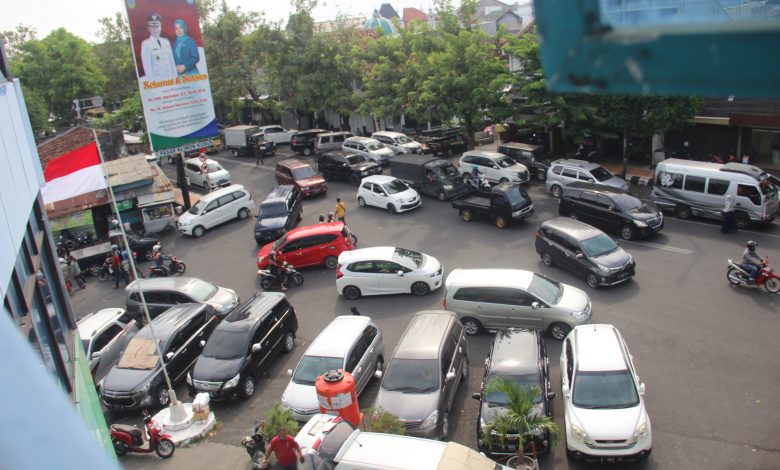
(154, 199)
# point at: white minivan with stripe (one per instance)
(215, 208)
(691, 188)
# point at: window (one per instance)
(447, 356)
(212, 205)
(225, 200)
(362, 267)
(569, 173)
(557, 170)
(584, 176)
(568, 359)
(356, 354)
(694, 183)
(105, 337)
(157, 297)
(388, 267)
(338, 138)
(750, 192)
(238, 194)
(718, 187)
(669, 180)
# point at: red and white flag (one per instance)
(73, 174)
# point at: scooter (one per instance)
(176, 266)
(255, 447)
(132, 439)
(477, 184)
(268, 281)
(765, 278)
(105, 271)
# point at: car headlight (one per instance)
(185, 223)
(144, 389)
(233, 382)
(640, 223)
(430, 421)
(580, 434)
(189, 378)
(580, 314)
(305, 188)
(641, 431)
(603, 270)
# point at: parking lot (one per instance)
(706, 351)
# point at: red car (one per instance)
(302, 175)
(312, 245)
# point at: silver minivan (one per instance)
(162, 293)
(351, 343)
(565, 171)
(372, 149)
(423, 375)
(498, 299)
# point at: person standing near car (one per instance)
(286, 450)
(75, 271)
(728, 225)
(341, 210)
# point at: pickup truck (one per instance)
(91, 258)
(428, 175)
(443, 141)
(503, 203)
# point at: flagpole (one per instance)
(177, 411)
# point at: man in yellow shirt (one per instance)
(341, 210)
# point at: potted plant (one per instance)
(518, 417)
(380, 420)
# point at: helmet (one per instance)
(114, 248)
(156, 248)
(62, 260)
(751, 245)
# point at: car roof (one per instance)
(279, 193)
(419, 339)
(359, 138)
(374, 252)
(328, 227)
(251, 311)
(575, 228)
(515, 351)
(585, 165)
(336, 339)
(483, 153)
(179, 283)
(519, 278)
(379, 179)
(171, 321)
(96, 321)
(596, 188)
(208, 160)
(311, 131)
(271, 125)
(221, 192)
(292, 163)
(340, 153)
(598, 348)
(520, 145)
(387, 134)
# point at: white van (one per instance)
(220, 206)
(215, 177)
(691, 188)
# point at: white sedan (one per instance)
(278, 134)
(388, 193)
(386, 270)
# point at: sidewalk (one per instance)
(203, 455)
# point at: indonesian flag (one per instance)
(73, 174)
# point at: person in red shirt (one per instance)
(286, 448)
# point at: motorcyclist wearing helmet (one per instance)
(157, 256)
(277, 268)
(751, 261)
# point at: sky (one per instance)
(80, 17)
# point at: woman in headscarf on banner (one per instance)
(185, 51)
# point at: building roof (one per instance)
(65, 142)
(387, 11)
(377, 21)
(411, 14)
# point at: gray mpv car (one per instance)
(162, 293)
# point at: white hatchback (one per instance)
(388, 193)
(386, 270)
(209, 175)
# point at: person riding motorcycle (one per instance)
(751, 261)
(278, 269)
(157, 257)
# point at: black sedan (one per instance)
(142, 245)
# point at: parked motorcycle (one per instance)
(765, 278)
(85, 239)
(268, 281)
(176, 266)
(132, 439)
(105, 271)
(255, 447)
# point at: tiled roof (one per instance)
(65, 142)
(414, 14)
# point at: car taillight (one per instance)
(338, 272)
(317, 443)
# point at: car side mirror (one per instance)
(168, 356)
(578, 255)
(378, 374)
(551, 395)
(476, 396)
(450, 376)
(400, 273)
(256, 347)
(289, 372)
(535, 305)
(96, 354)
(642, 389)
(202, 343)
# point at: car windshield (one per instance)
(412, 375)
(214, 166)
(402, 139)
(227, 345)
(598, 246)
(311, 367)
(506, 162)
(546, 289)
(303, 172)
(604, 389)
(600, 174)
(525, 381)
(517, 196)
(629, 203)
(395, 186)
(200, 290)
(195, 209)
(404, 256)
(271, 210)
(374, 146)
(279, 242)
(355, 159)
(769, 187)
(333, 441)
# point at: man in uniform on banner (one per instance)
(156, 52)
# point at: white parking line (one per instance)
(673, 249)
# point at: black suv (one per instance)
(584, 250)
(278, 213)
(518, 355)
(532, 156)
(243, 346)
(304, 141)
(346, 165)
(610, 209)
(136, 380)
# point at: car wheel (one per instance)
(627, 232)
(361, 202)
(247, 387)
(471, 326)
(574, 216)
(556, 190)
(592, 280)
(559, 331)
(198, 231)
(441, 196)
(420, 288)
(547, 259)
(541, 175)
(467, 215)
(741, 220)
(243, 213)
(355, 180)
(682, 211)
(501, 221)
(327, 175)
(307, 151)
(445, 425)
(351, 293)
(331, 262)
(391, 209)
(161, 396)
(289, 342)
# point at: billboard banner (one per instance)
(172, 74)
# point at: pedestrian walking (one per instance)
(66, 274)
(285, 448)
(259, 154)
(728, 225)
(116, 265)
(341, 210)
(75, 272)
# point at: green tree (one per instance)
(380, 420)
(16, 39)
(517, 416)
(278, 417)
(115, 58)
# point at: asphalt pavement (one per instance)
(706, 351)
